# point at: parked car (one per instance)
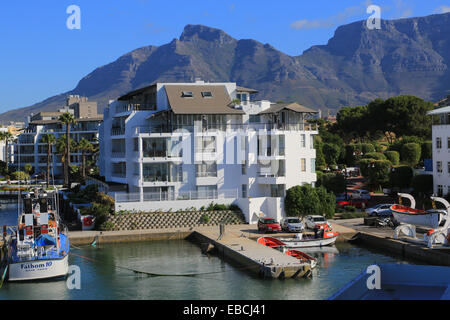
(312, 221)
(357, 203)
(268, 225)
(380, 210)
(340, 197)
(359, 194)
(292, 225)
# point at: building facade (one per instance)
(441, 150)
(29, 148)
(205, 142)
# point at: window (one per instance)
(438, 143)
(244, 191)
(206, 170)
(244, 168)
(207, 94)
(254, 118)
(302, 141)
(313, 165)
(311, 144)
(187, 94)
(440, 190)
(207, 192)
(448, 143)
(448, 167)
(242, 97)
(303, 165)
(136, 144)
(439, 166)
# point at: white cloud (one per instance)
(443, 9)
(330, 21)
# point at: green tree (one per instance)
(411, 153)
(331, 153)
(19, 175)
(427, 150)
(67, 119)
(50, 140)
(332, 182)
(28, 168)
(393, 157)
(423, 184)
(85, 147)
(327, 203)
(374, 155)
(301, 201)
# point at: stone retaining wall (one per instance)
(142, 221)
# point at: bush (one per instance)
(234, 207)
(306, 200)
(205, 219)
(374, 155)
(393, 157)
(107, 226)
(333, 182)
(411, 153)
(99, 211)
(426, 150)
(350, 208)
(401, 177)
(367, 148)
(19, 175)
(423, 184)
(353, 215)
(220, 207)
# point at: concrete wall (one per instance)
(443, 155)
(169, 205)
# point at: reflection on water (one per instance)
(101, 279)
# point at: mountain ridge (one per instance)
(407, 56)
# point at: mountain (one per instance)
(407, 56)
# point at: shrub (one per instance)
(350, 208)
(107, 226)
(19, 175)
(99, 211)
(374, 155)
(353, 215)
(401, 177)
(210, 207)
(423, 183)
(205, 218)
(411, 153)
(234, 207)
(220, 207)
(367, 148)
(393, 157)
(426, 150)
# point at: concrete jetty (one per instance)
(250, 255)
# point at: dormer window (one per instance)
(187, 94)
(207, 94)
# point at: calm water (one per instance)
(101, 277)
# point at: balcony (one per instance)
(117, 131)
(265, 178)
(177, 196)
(135, 107)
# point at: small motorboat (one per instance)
(323, 237)
(271, 242)
(302, 257)
(416, 217)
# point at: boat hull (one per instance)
(38, 269)
(422, 219)
(293, 243)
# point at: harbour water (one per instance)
(105, 273)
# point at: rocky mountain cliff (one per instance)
(407, 56)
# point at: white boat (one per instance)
(422, 218)
(38, 248)
(304, 241)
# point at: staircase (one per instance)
(163, 220)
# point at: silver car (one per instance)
(292, 225)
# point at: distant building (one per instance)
(29, 149)
(183, 145)
(441, 150)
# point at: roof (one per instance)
(288, 106)
(439, 111)
(243, 89)
(43, 122)
(135, 92)
(218, 103)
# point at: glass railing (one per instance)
(176, 196)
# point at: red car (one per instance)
(268, 225)
(357, 203)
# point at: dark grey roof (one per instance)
(243, 89)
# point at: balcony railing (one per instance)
(135, 107)
(160, 154)
(176, 196)
(116, 154)
(117, 131)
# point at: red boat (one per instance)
(302, 256)
(271, 242)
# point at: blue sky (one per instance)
(40, 57)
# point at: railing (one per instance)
(160, 154)
(117, 155)
(206, 174)
(269, 152)
(135, 107)
(271, 175)
(225, 127)
(117, 131)
(102, 186)
(176, 196)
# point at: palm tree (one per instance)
(50, 140)
(7, 137)
(67, 119)
(85, 147)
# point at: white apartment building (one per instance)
(29, 148)
(183, 145)
(441, 150)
